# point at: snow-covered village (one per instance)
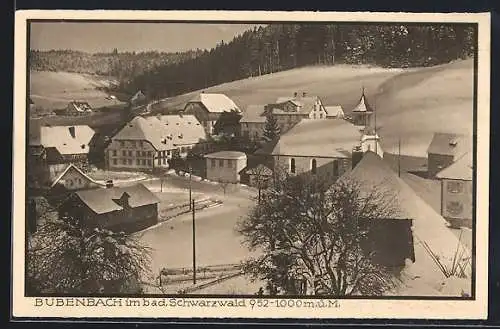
(286, 159)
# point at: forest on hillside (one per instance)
(269, 49)
(121, 65)
(279, 47)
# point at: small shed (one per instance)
(259, 176)
(127, 209)
(225, 166)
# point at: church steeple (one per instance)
(363, 111)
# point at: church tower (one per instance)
(363, 112)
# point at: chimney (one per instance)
(109, 183)
(295, 94)
(72, 131)
(304, 94)
(357, 155)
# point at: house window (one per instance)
(124, 153)
(221, 163)
(164, 161)
(143, 162)
(143, 153)
(70, 182)
(149, 153)
(149, 163)
(454, 208)
(130, 153)
(313, 166)
(321, 115)
(168, 152)
(213, 163)
(335, 167)
(114, 153)
(129, 161)
(229, 163)
(138, 162)
(124, 161)
(314, 116)
(80, 181)
(455, 187)
(122, 144)
(292, 165)
(115, 162)
(138, 153)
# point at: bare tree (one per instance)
(262, 176)
(311, 235)
(224, 185)
(65, 256)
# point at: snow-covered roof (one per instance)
(226, 155)
(304, 104)
(460, 169)
(103, 200)
(363, 105)
(334, 111)
(319, 138)
(81, 106)
(73, 167)
(450, 144)
(66, 139)
(216, 103)
(163, 132)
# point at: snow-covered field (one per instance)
(53, 90)
(411, 104)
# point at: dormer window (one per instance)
(180, 135)
(453, 143)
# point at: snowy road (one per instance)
(217, 242)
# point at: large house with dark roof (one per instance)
(414, 231)
(207, 108)
(147, 143)
(457, 191)
(52, 148)
(444, 149)
(116, 208)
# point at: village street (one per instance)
(217, 241)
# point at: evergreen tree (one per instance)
(271, 128)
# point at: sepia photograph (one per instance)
(251, 161)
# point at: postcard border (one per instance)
(481, 18)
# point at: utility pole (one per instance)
(194, 243)
(399, 157)
(190, 188)
(375, 129)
